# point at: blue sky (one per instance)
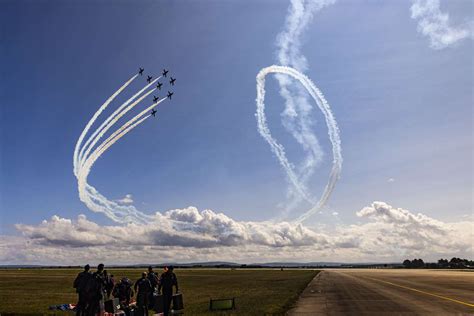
(403, 108)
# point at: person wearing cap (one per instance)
(80, 284)
(167, 280)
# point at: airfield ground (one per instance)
(388, 292)
(257, 292)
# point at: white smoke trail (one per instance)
(85, 160)
(278, 149)
(115, 117)
(98, 203)
(122, 128)
(94, 118)
(105, 123)
(296, 117)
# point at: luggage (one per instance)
(178, 301)
(111, 306)
(158, 303)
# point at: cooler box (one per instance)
(111, 306)
(178, 301)
(158, 303)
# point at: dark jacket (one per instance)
(167, 280)
(153, 278)
(123, 291)
(81, 281)
(143, 286)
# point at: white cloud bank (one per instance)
(435, 24)
(187, 235)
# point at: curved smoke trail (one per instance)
(297, 115)
(112, 122)
(296, 118)
(278, 149)
(94, 118)
(107, 124)
(85, 155)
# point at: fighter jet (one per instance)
(158, 86)
(155, 99)
(169, 95)
(164, 73)
(149, 78)
(153, 112)
(172, 80)
(141, 71)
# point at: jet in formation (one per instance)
(141, 71)
(169, 95)
(164, 73)
(155, 99)
(158, 86)
(172, 80)
(153, 112)
(149, 78)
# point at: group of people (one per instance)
(95, 288)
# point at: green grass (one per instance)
(257, 292)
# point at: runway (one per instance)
(388, 292)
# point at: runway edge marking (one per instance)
(428, 293)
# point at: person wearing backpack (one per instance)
(80, 284)
(153, 278)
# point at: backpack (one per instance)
(153, 278)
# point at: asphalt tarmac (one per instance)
(388, 292)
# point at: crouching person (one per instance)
(143, 288)
(123, 291)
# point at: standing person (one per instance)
(143, 288)
(167, 280)
(109, 283)
(98, 291)
(80, 284)
(153, 278)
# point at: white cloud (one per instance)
(126, 200)
(435, 24)
(187, 235)
(390, 180)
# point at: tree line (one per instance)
(454, 263)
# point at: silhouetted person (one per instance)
(153, 278)
(109, 283)
(167, 280)
(80, 284)
(123, 291)
(97, 290)
(143, 289)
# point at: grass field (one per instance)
(257, 292)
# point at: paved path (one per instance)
(388, 292)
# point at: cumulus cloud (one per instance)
(181, 227)
(185, 235)
(435, 24)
